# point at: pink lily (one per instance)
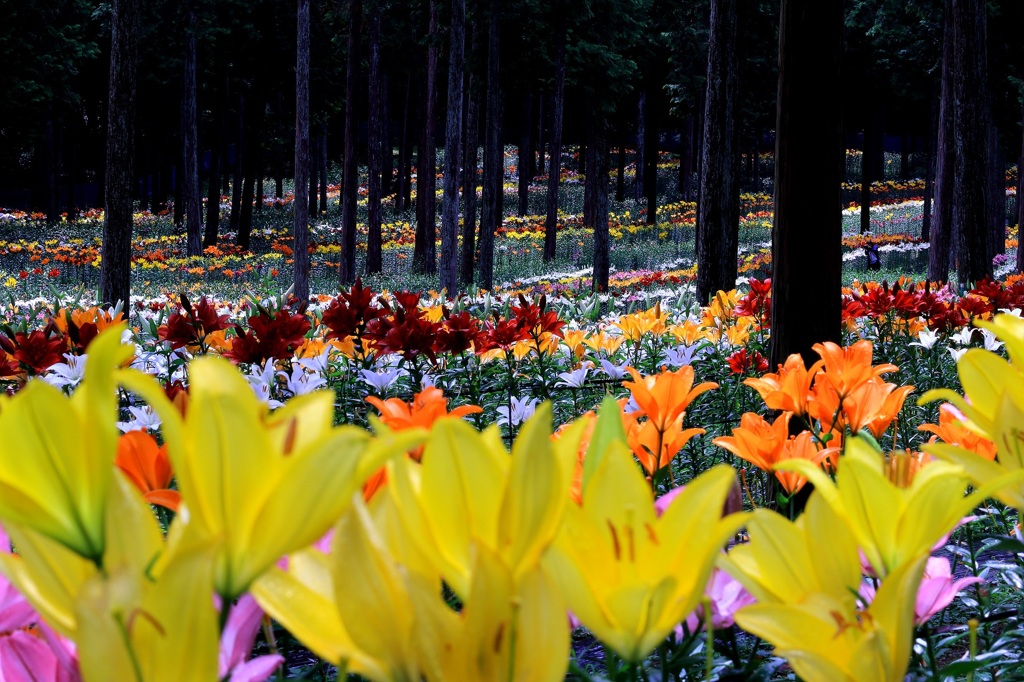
(236, 643)
(726, 595)
(936, 592)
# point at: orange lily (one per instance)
(788, 388)
(874, 405)
(663, 397)
(847, 368)
(427, 406)
(148, 468)
(765, 445)
(655, 449)
(951, 429)
(573, 340)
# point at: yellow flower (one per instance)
(629, 576)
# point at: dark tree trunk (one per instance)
(1020, 199)
(115, 268)
(929, 168)
(425, 250)
(620, 169)
(719, 204)
(217, 158)
(525, 155)
(469, 178)
(555, 155)
(453, 150)
(808, 204)
(942, 224)
(253, 163)
(301, 206)
(374, 243)
(598, 166)
(650, 158)
(641, 141)
(997, 194)
(540, 135)
(236, 181)
(698, 149)
(404, 152)
(590, 179)
(972, 209)
(494, 155)
(350, 170)
(322, 159)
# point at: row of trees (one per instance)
(369, 81)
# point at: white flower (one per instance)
(522, 409)
(614, 372)
(300, 382)
(991, 343)
(927, 339)
(262, 379)
(957, 353)
(318, 363)
(962, 337)
(575, 378)
(380, 381)
(142, 418)
(680, 355)
(68, 373)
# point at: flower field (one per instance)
(532, 483)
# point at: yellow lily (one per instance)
(994, 409)
(628, 575)
(825, 639)
(260, 485)
(893, 525)
(467, 489)
(57, 486)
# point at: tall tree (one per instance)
(115, 268)
(425, 248)
(190, 132)
(555, 155)
(453, 150)
(350, 168)
(972, 209)
(598, 167)
(494, 154)
(301, 205)
(375, 130)
(942, 223)
(720, 203)
(1020, 193)
(807, 233)
(470, 151)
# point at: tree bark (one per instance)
(807, 233)
(469, 181)
(301, 206)
(1020, 198)
(620, 169)
(942, 222)
(494, 155)
(236, 182)
(404, 152)
(972, 209)
(374, 243)
(929, 168)
(719, 203)
(425, 250)
(650, 158)
(598, 166)
(350, 170)
(525, 156)
(453, 151)
(641, 141)
(218, 156)
(115, 268)
(192, 203)
(997, 194)
(555, 153)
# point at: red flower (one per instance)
(269, 337)
(350, 312)
(405, 331)
(457, 333)
(741, 362)
(502, 334)
(189, 326)
(38, 350)
(757, 302)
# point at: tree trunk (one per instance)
(494, 155)
(1020, 198)
(540, 135)
(115, 268)
(301, 206)
(350, 170)
(322, 160)
(590, 180)
(404, 152)
(720, 208)
(193, 205)
(253, 163)
(997, 194)
(217, 157)
(555, 154)
(236, 182)
(598, 166)
(929, 168)
(469, 181)
(650, 158)
(453, 151)
(425, 250)
(972, 209)
(807, 301)
(620, 169)
(525, 154)
(374, 243)
(942, 223)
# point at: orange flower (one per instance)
(663, 397)
(847, 368)
(427, 407)
(951, 429)
(576, 489)
(787, 389)
(148, 468)
(874, 405)
(764, 445)
(655, 449)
